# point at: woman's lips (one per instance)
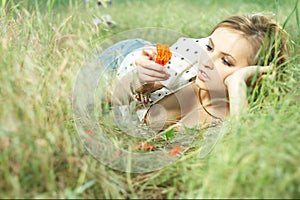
(203, 76)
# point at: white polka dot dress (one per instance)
(182, 67)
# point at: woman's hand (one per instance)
(245, 73)
(237, 87)
(147, 70)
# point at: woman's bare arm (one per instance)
(237, 91)
(237, 87)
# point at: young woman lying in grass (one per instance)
(205, 91)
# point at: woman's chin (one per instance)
(210, 86)
(199, 83)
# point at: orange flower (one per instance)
(175, 150)
(146, 147)
(89, 132)
(163, 54)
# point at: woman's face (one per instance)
(226, 52)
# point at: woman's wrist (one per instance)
(234, 79)
(237, 91)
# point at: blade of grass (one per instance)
(295, 10)
(297, 15)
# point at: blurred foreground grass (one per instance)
(44, 44)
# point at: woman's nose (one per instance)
(208, 61)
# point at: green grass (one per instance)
(43, 45)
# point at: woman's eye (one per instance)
(226, 62)
(209, 48)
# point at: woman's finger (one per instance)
(149, 79)
(152, 73)
(149, 76)
(147, 51)
(266, 69)
(146, 63)
(246, 73)
(250, 71)
(268, 76)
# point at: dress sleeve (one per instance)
(128, 64)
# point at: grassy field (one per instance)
(43, 45)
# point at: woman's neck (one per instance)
(217, 108)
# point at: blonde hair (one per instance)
(267, 38)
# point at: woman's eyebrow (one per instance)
(227, 54)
